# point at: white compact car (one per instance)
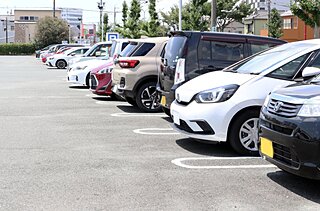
(79, 73)
(224, 105)
(61, 60)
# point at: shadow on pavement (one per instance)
(104, 98)
(168, 119)
(78, 87)
(209, 149)
(309, 189)
(129, 109)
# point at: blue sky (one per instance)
(91, 13)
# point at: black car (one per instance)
(197, 53)
(290, 128)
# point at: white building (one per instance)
(72, 15)
(281, 5)
(6, 20)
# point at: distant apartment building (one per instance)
(26, 22)
(258, 5)
(6, 23)
(72, 15)
(256, 23)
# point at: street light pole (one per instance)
(54, 8)
(214, 15)
(101, 6)
(180, 15)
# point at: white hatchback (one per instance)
(225, 105)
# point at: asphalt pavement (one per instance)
(63, 148)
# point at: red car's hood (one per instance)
(97, 69)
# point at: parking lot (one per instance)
(63, 148)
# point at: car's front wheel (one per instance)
(148, 98)
(243, 134)
(61, 64)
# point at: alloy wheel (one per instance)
(248, 134)
(150, 98)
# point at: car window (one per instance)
(124, 45)
(315, 62)
(255, 48)
(289, 70)
(129, 49)
(143, 49)
(174, 49)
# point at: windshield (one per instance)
(174, 49)
(91, 49)
(267, 59)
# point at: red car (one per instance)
(100, 79)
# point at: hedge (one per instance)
(17, 49)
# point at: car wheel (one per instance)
(148, 98)
(131, 101)
(244, 133)
(61, 64)
(166, 111)
(87, 80)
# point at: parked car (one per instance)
(135, 76)
(290, 127)
(45, 49)
(79, 73)
(61, 60)
(196, 53)
(100, 77)
(98, 50)
(225, 105)
(55, 48)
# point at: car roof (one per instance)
(152, 40)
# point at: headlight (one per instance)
(310, 109)
(266, 101)
(215, 95)
(105, 70)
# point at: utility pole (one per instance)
(269, 15)
(214, 15)
(101, 6)
(54, 8)
(114, 16)
(180, 15)
(6, 29)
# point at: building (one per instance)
(7, 21)
(72, 15)
(294, 29)
(256, 24)
(280, 5)
(26, 22)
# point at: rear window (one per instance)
(174, 49)
(129, 49)
(143, 49)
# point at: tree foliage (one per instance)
(51, 30)
(309, 12)
(153, 29)
(275, 24)
(106, 26)
(124, 13)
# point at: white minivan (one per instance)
(224, 105)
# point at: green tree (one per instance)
(106, 26)
(153, 29)
(197, 15)
(171, 18)
(309, 12)
(124, 13)
(275, 24)
(132, 28)
(51, 30)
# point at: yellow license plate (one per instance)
(266, 147)
(163, 100)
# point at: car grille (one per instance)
(94, 82)
(283, 108)
(284, 155)
(277, 128)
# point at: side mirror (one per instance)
(73, 54)
(310, 71)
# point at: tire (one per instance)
(131, 101)
(243, 135)
(148, 98)
(166, 111)
(87, 80)
(61, 64)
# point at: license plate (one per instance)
(163, 100)
(266, 147)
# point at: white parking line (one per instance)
(155, 131)
(136, 114)
(179, 162)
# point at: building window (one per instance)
(12, 28)
(287, 23)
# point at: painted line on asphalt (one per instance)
(179, 162)
(108, 103)
(136, 114)
(155, 131)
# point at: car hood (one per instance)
(298, 93)
(100, 67)
(209, 81)
(92, 62)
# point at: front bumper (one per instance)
(100, 84)
(201, 121)
(295, 143)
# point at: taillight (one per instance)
(128, 63)
(180, 68)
